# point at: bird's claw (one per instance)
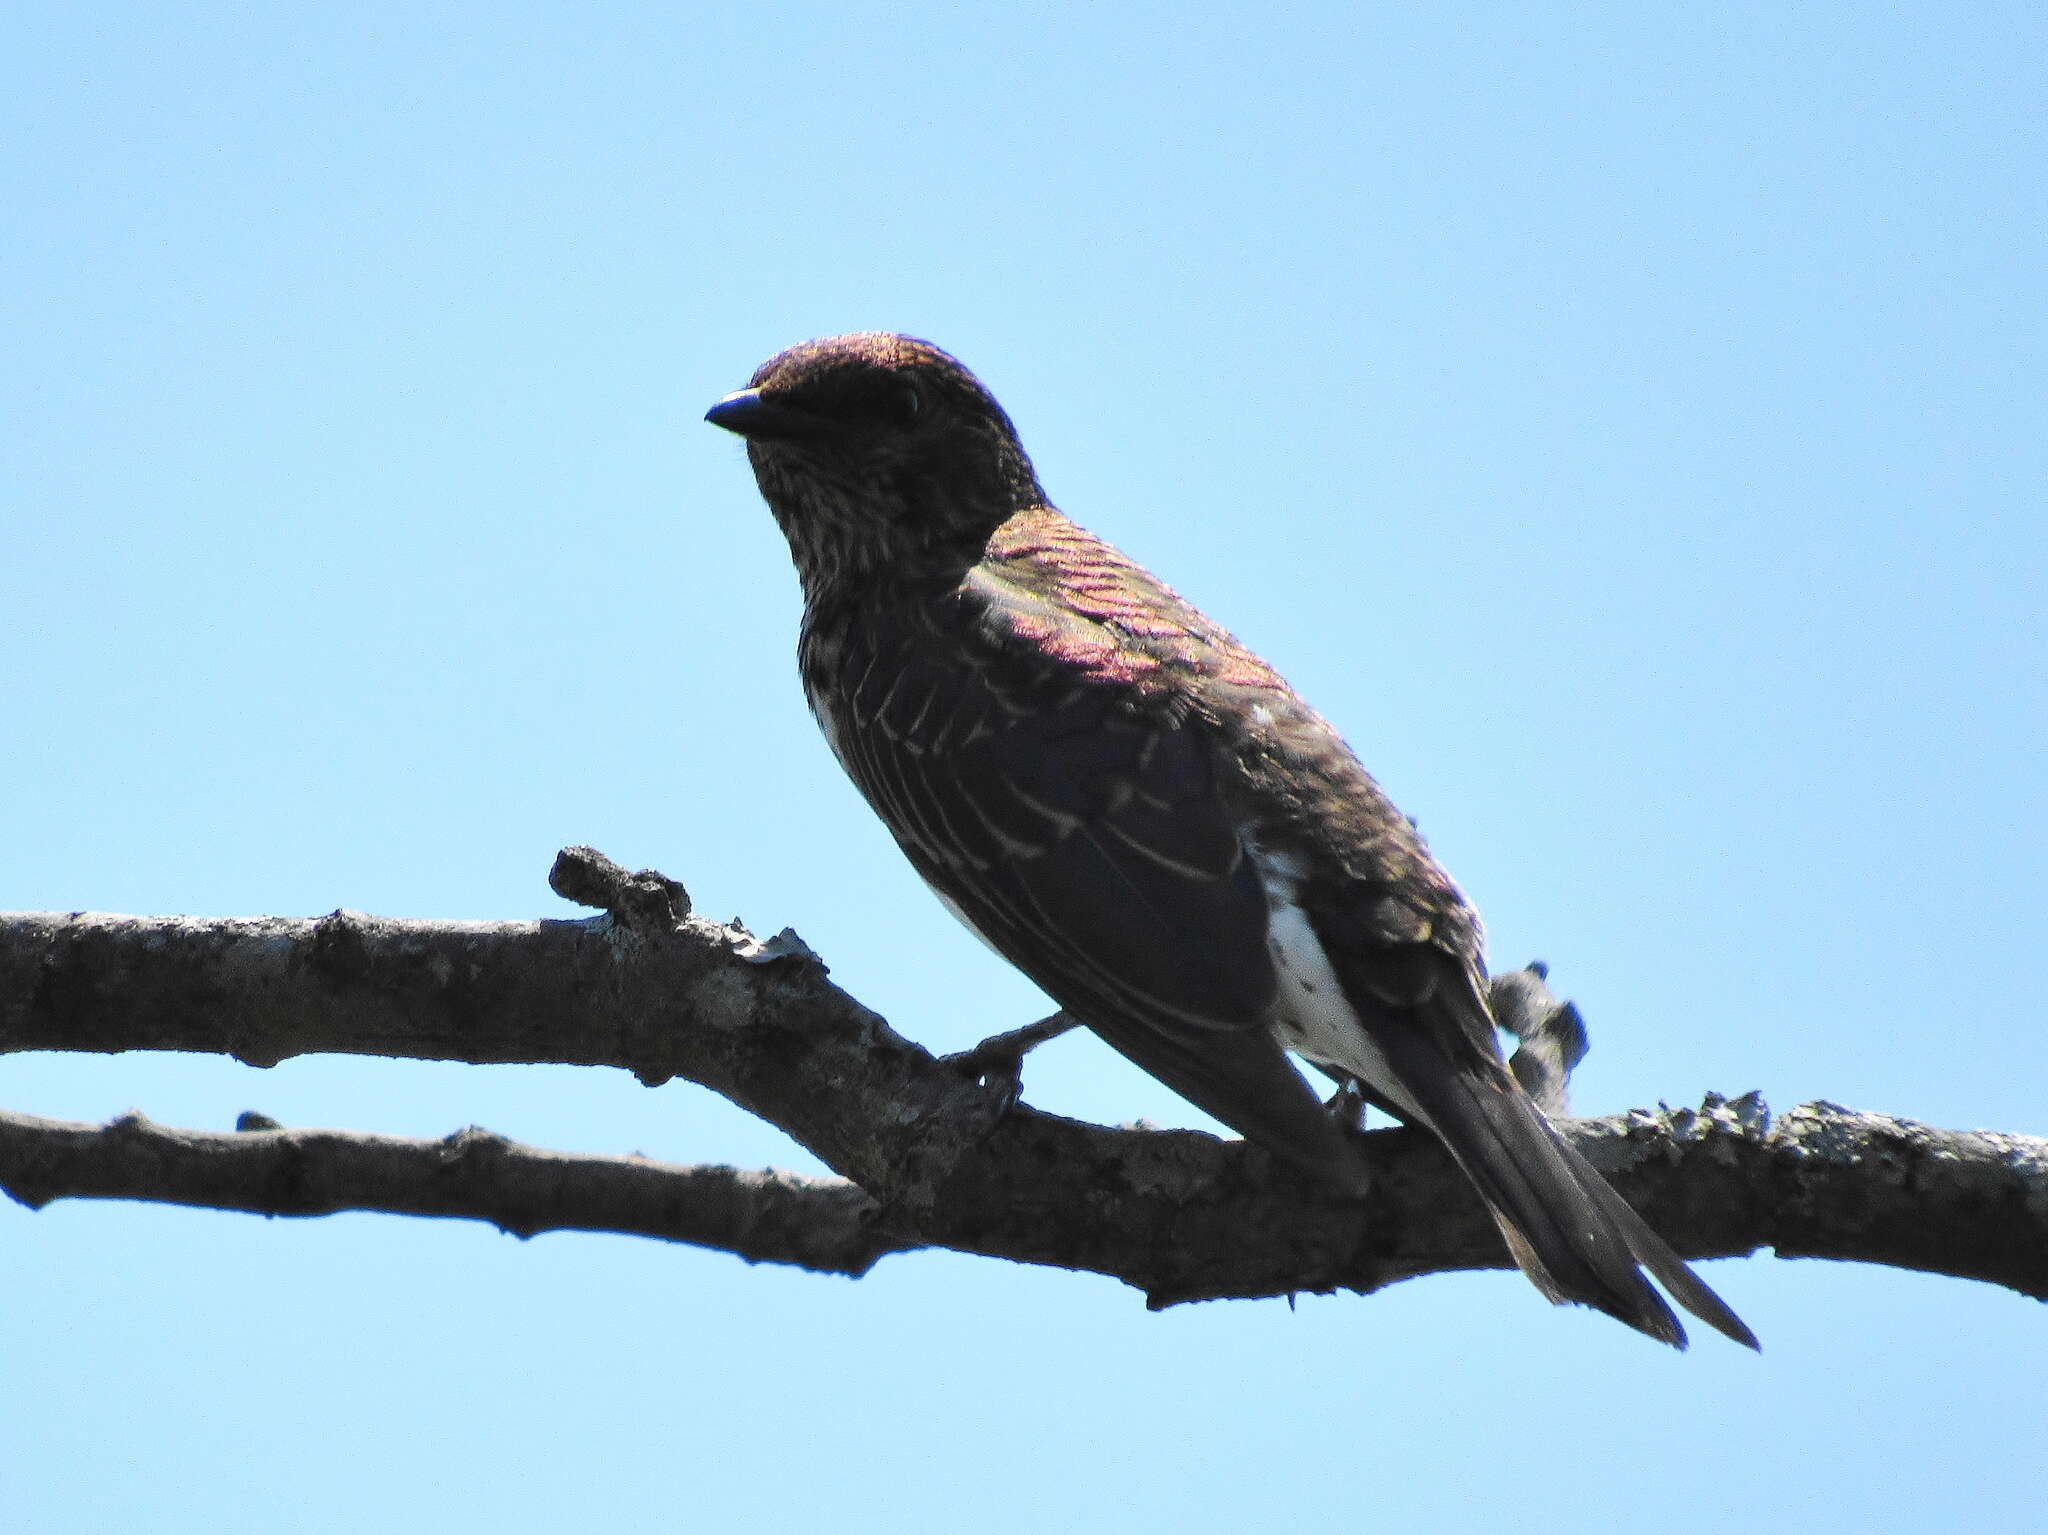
(1347, 1106)
(998, 1061)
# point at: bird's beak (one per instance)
(744, 411)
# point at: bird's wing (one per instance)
(1082, 833)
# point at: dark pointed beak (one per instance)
(745, 412)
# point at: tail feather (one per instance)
(1569, 1232)
(1672, 1271)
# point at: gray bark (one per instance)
(931, 1151)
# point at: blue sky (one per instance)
(1623, 421)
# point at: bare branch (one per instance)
(824, 1224)
(1944, 1201)
(946, 1159)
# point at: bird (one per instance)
(1137, 812)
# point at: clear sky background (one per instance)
(1624, 421)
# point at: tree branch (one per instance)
(824, 1224)
(933, 1155)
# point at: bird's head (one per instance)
(878, 454)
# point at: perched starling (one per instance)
(1140, 814)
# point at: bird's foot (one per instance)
(998, 1061)
(1347, 1106)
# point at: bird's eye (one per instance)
(909, 404)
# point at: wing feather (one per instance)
(1085, 840)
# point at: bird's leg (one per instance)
(1551, 1034)
(1347, 1105)
(999, 1060)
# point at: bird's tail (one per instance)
(1575, 1238)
